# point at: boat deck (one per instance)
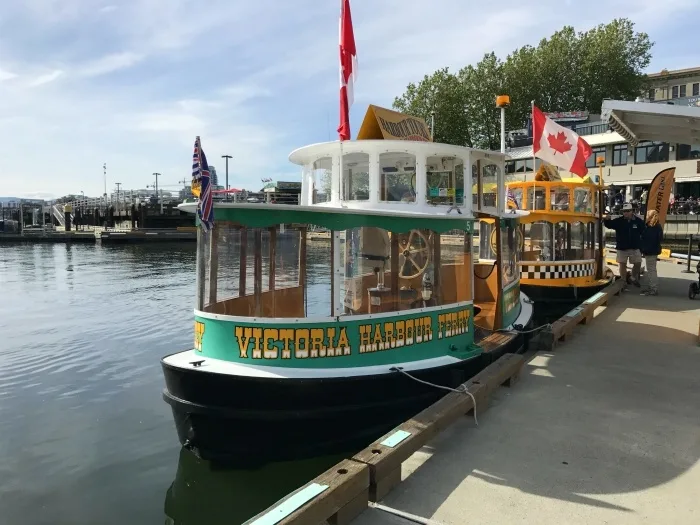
(602, 430)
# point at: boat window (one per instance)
(487, 241)
(561, 241)
(509, 251)
(596, 201)
(539, 241)
(591, 241)
(539, 193)
(582, 200)
(445, 180)
(578, 241)
(322, 176)
(355, 177)
(489, 184)
(559, 198)
(398, 177)
(388, 272)
(455, 275)
(517, 194)
(260, 272)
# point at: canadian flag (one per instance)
(558, 145)
(348, 68)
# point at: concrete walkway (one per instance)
(605, 429)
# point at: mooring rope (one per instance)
(461, 390)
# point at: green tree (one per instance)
(565, 72)
(442, 95)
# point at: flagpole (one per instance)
(534, 159)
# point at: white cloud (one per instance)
(109, 64)
(45, 78)
(6, 75)
(253, 79)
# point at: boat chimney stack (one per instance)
(502, 102)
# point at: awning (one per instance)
(640, 121)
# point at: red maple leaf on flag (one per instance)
(558, 142)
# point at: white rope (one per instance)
(461, 390)
(544, 326)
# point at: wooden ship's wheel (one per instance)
(414, 254)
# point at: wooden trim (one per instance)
(257, 271)
(499, 277)
(272, 255)
(213, 263)
(332, 273)
(302, 262)
(242, 266)
(437, 263)
(395, 268)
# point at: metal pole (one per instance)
(503, 129)
(226, 157)
(690, 249)
(432, 124)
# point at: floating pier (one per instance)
(105, 235)
(602, 428)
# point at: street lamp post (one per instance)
(226, 157)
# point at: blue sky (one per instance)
(132, 82)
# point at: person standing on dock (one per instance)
(628, 241)
(652, 236)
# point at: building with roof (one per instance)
(632, 161)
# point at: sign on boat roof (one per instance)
(381, 123)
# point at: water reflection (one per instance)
(205, 494)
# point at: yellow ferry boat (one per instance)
(560, 242)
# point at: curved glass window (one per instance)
(489, 184)
(583, 203)
(388, 272)
(559, 198)
(539, 241)
(445, 180)
(398, 177)
(355, 181)
(536, 194)
(322, 175)
(578, 241)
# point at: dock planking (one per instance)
(374, 471)
(335, 497)
(563, 328)
(384, 460)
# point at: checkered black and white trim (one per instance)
(531, 270)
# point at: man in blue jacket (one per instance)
(628, 241)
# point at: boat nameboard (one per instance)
(344, 341)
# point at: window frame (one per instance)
(620, 148)
(592, 161)
(648, 145)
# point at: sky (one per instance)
(131, 83)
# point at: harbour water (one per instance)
(86, 436)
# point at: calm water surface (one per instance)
(86, 437)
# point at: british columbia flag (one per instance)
(201, 186)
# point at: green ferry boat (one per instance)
(304, 349)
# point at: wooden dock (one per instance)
(105, 235)
(601, 428)
(48, 237)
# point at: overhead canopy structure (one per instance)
(640, 121)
